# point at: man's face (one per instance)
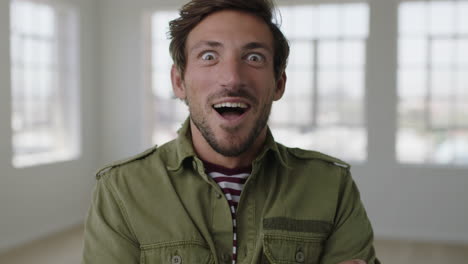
(229, 83)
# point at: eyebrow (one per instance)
(257, 45)
(216, 44)
(212, 44)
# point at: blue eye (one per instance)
(208, 56)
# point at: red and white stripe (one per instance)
(231, 181)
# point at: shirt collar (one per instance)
(184, 147)
(272, 146)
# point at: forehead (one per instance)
(231, 27)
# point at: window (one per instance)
(168, 113)
(44, 75)
(323, 106)
(433, 82)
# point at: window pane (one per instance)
(287, 21)
(353, 83)
(160, 24)
(291, 22)
(45, 124)
(287, 115)
(335, 75)
(462, 84)
(301, 112)
(452, 149)
(355, 22)
(462, 98)
(168, 113)
(329, 21)
(413, 52)
(412, 83)
(162, 87)
(432, 102)
(301, 54)
(462, 18)
(441, 114)
(353, 53)
(461, 58)
(441, 17)
(352, 109)
(412, 19)
(161, 58)
(280, 114)
(329, 54)
(461, 118)
(334, 140)
(341, 98)
(442, 84)
(299, 83)
(443, 52)
(413, 145)
(412, 114)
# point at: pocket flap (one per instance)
(176, 253)
(292, 249)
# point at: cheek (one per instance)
(201, 80)
(268, 90)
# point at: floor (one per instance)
(61, 248)
(65, 248)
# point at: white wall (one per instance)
(37, 201)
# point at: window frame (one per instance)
(63, 116)
(429, 68)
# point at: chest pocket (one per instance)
(283, 249)
(176, 253)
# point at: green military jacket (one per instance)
(297, 206)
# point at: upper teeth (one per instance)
(241, 105)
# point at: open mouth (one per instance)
(231, 110)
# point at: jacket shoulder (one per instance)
(309, 154)
(119, 163)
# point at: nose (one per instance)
(230, 73)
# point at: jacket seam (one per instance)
(297, 238)
(345, 178)
(123, 211)
(174, 243)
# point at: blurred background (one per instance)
(381, 84)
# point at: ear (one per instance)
(280, 86)
(177, 83)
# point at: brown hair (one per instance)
(195, 11)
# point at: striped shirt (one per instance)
(231, 181)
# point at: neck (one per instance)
(207, 153)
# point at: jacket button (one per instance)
(218, 195)
(300, 256)
(176, 260)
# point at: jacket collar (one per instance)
(184, 148)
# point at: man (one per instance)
(224, 191)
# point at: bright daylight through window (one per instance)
(433, 83)
(44, 78)
(167, 113)
(323, 106)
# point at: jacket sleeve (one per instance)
(352, 236)
(108, 237)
